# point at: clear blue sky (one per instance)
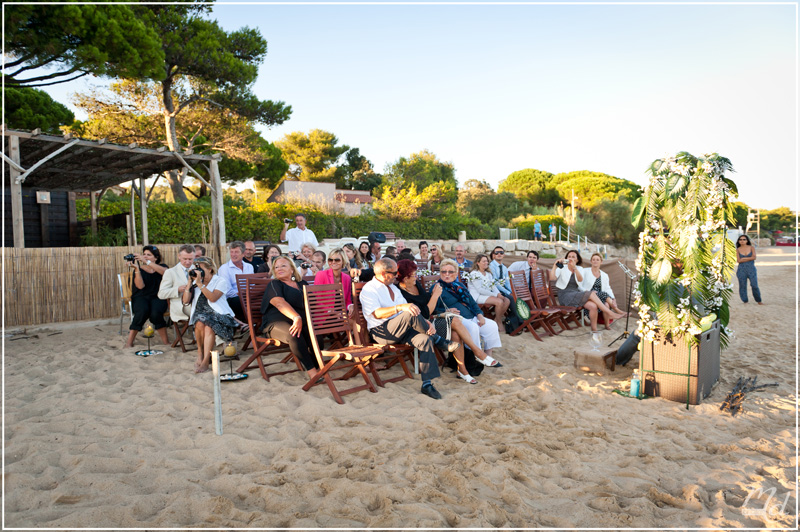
(499, 88)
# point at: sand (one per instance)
(98, 437)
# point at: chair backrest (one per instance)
(463, 273)
(125, 286)
(241, 282)
(541, 295)
(428, 281)
(253, 297)
(309, 279)
(422, 264)
(519, 286)
(361, 321)
(325, 313)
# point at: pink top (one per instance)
(326, 277)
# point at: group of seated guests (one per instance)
(395, 304)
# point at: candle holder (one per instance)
(148, 333)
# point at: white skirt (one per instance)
(488, 333)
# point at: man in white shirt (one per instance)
(530, 263)
(175, 281)
(299, 235)
(229, 270)
(392, 320)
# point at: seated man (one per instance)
(463, 263)
(199, 251)
(250, 256)
(531, 263)
(229, 270)
(500, 271)
(391, 320)
(317, 262)
(175, 281)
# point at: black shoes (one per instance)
(443, 344)
(431, 392)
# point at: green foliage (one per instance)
(31, 108)
(593, 187)
(73, 40)
(477, 199)
(611, 221)
(740, 210)
(525, 224)
(534, 186)
(357, 172)
(105, 237)
(311, 157)
(781, 218)
(419, 185)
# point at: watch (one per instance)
(147, 262)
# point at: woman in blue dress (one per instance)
(746, 257)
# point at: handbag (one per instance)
(442, 322)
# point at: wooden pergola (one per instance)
(65, 163)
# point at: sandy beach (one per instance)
(98, 437)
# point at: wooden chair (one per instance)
(546, 299)
(540, 298)
(241, 287)
(180, 327)
(429, 280)
(262, 346)
(392, 354)
(422, 264)
(125, 292)
(326, 314)
(539, 317)
(309, 279)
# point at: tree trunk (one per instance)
(174, 178)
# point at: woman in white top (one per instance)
(483, 289)
(596, 280)
(569, 279)
(211, 315)
(423, 252)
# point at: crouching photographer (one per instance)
(147, 273)
(210, 314)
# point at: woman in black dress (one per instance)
(147, 272)
(271, 252)
(283, 310)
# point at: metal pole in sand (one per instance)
(217, 394)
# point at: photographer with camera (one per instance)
(147, 275)
(297, 236)
(210, 314)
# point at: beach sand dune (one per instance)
(98, 437)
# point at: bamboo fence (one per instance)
(48, 285)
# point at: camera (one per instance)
(287, 221)
(305, 265)
(559, 264)
(194, 272)
(130, 257)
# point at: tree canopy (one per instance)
(70, 40)
(593, 187)
(479, 200)
(312, 156)
(31, 108)
(534, 186)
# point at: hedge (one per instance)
(174, 223)
(525, 224)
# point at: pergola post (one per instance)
(93, 208)
(132, 218)
(16, 194)
(143, 204)
(217, 211)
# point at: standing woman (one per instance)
(483, 289)
(284, 310)
(271, 252)
(596, 280)
(147, 274)
(568, 280)
(211, 315)
(746, 257)
(436, 258)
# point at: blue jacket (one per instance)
(467, 311)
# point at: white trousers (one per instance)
(488, 332)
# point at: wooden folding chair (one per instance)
(125, 292)
(429, 280)
(538, 317)
(241, 286)
(546, 299)
(392, 354)
(540, 299)
(262, 346)
(326, 314)
(309, 279)
(180, 327)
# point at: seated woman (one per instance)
(211, 315)
(147, 274)
(596, 280)
(483, 289)
(306, 257)
(430, 303)
(456, 296)
(283, 312)
(271, 252)
(568, 281)
(436, 258)
(335, 275)
(359, 268)
(423, 252)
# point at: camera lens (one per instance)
(129, 257)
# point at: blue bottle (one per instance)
(635, 383)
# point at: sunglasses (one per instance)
(334, 260)
(499, 252)
(150, 248)
(447, 272)
(390, 272)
